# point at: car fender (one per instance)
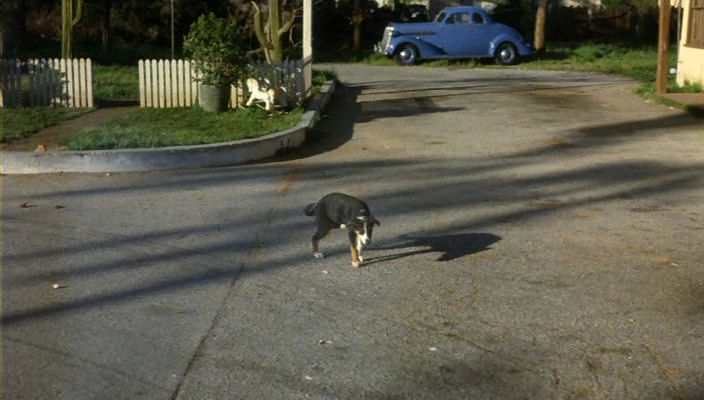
(426, 50)
(522, 48)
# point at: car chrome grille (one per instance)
(386, 39)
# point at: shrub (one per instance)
(218, 50)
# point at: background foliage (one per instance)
(122, 31)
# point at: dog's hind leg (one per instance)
(319, 234)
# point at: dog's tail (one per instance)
(310, 209)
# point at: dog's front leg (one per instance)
(355, 249)
(355, 256)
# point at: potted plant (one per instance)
(218, 51)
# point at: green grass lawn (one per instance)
(21, 122)
(634, 61)
(637, 62)
(148, 127)
(116, 82)
(111, 83)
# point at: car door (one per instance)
(452, 36)
(478, 35)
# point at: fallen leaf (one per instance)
(40, 149)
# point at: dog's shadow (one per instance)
(450, 247)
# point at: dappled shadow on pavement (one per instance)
(473, 195)
(420, 187)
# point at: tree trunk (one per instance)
(540, 17)
(270, 39)
(105, 25)
(357, 19)
(274, 27)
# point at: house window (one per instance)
(695, 33)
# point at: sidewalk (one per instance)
(695, 100)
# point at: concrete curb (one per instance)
(177, 157)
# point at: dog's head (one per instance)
(363, 226)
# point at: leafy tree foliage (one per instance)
(218, 50)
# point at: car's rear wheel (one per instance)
(406, 54)
(506, 54)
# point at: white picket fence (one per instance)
(162, 83)
(174, 83)
(167, 83)
(47, 82)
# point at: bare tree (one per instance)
(270, 34)
(358, 17)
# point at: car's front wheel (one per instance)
(506, 54)
(406, 54)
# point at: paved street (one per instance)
(541, 238)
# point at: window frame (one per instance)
(695, 38)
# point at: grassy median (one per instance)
(149, 127)
(22, 122)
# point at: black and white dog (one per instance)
(337, 210)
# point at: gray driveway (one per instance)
(541, 238)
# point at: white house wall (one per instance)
(690, 60)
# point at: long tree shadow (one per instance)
(450, 246)
(345, 110)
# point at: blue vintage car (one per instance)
(456, 32)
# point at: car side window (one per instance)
(458, 18)
(477, 18)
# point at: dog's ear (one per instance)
(375, 221)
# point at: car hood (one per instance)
(415, 28)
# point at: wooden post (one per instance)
(307, 47)
(663, 48)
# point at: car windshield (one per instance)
(440, 17)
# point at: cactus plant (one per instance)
(68, 21)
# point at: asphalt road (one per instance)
(541, 238)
